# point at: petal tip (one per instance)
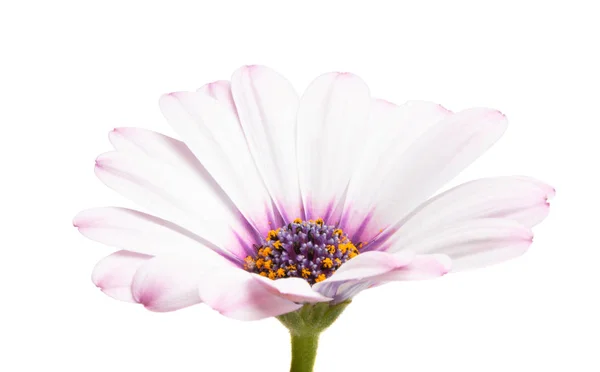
(445, 264)
(345, 75)
(80, 220)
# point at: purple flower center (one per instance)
(303, 249)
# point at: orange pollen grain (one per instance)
(272, 235)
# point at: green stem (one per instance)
(305, 325)
(304, 351)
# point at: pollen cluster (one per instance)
(305, 249)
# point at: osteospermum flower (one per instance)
(279, 205)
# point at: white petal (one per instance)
(438, 155)
(332, 118)
(472, 243)
(238, 294)
(140, 232)
(168, 283)
(214, 135)
(373, 268)
(172, 282)
(158, 147)
(267, 105)
(521, 199)
(164, 156)
(114, 273)
(293, 289)
(221, 91)
(176, 195)
(364, 265)
(392, 130)
(421, 267)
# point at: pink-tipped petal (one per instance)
(221, 91)
(168, 283)
(238, 294)
(431, 160)
(371, 264)
(332, 119)
(171, 171)
(365, 265)
(294, 289)
(114, 273)
(392, 130)
(140, 232)
(216, 138)
(267, 105)
(173, 194)
(422, 267)
(379, 269)
(521, 199)
(473, 243)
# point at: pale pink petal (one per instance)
(376, 269)
(422, 267)
(214, 135)
(521, 199)
(332, 119)
(157, 147)
(267, 105)
(221, 91)
(433, 159)
(168, 283)
(293, 289)
(364, 265)
(472, 243)
(137, 144)
(173, 195)
(370, 264)
(114, 273)
(238, 294)
(143, 233)
(392, 130)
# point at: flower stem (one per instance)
(305, 326)
(304, 351)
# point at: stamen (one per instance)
(302, 249)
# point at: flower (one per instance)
(273, 201)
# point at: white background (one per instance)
(73, 70)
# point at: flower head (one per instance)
(272, 201)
